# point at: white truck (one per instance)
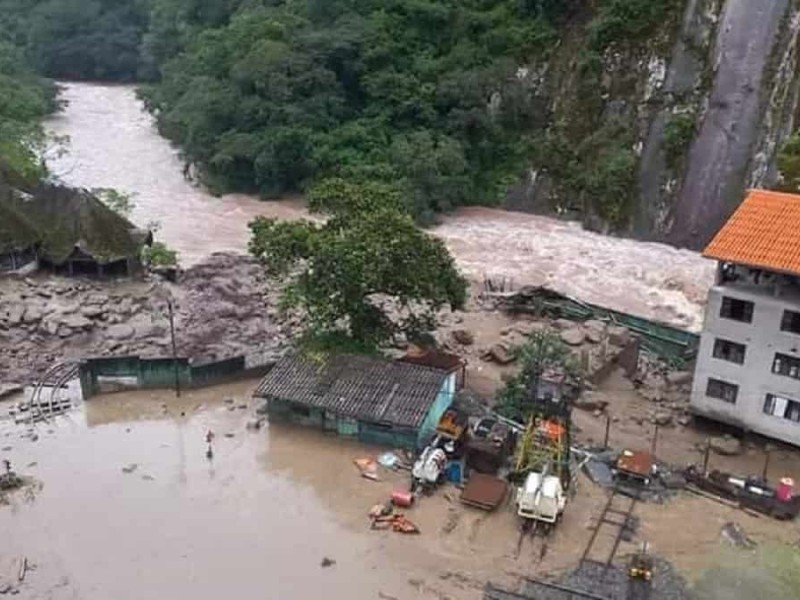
(541, 498)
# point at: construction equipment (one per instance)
(641, 565)
(541, 498)
(429, 467)
(544, 445)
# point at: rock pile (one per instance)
(668, 390)
(222, 308)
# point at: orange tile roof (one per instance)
(763, 232)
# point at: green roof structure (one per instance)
(74, 220)
(17, 233)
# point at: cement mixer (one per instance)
(429, 468)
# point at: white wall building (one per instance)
(748, 364)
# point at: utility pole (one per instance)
(174, 348)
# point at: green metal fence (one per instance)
(98, 375)
(676, 346)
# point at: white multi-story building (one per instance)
(748, 364)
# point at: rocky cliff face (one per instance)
(700, 105)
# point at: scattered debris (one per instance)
(726, 445)
(130, 468)
(327, 562)
(254, 424)
(388, 459)
(736, 536)
(463, 337)
(368, 467)
(484, 491)
(500, 354)
(398, 523)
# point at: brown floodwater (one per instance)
(113, 143)
(178, 525)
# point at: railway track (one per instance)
(615, 517)
(538, 533)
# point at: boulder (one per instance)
(594, 335)
(15, 315)
(679, 378)
(33, 314)
(726, 445)
(76, 322)
(500, 354)
(93, 311)
(590, 401)
(528, 327)
(595, 325)
(463, 337)
(684, 420)
(662, 418)
(120, 332)
(619, 335)
(563, 324)
(574, 337)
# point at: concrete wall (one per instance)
(762, 338)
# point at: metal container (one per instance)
(785, 489)
(402, 498)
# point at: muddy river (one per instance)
(113, 144)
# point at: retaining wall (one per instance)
(104, 375)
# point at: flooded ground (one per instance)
(124, 504)
(114, 144)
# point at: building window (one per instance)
(722, 390)
(786, 365)
(730, 351)
(737, 310)
(790, 321)
(777, 406)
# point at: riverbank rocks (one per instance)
(619, 335)
(590, 401)
(501, 354)
(223, 308)
(726, 445)
(463, 337)
(575, 336)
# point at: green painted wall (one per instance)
(443, 401)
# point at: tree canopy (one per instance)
(543, 352)
(366, 273)
(78, 39)
(24, 100)
(420, 95)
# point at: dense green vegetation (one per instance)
(543, 352)
(24, 100)
(363, 276)
(78, 39)
(423, 96)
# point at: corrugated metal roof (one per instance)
(361, 387)
(763, 232)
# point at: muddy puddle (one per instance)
(128, 506)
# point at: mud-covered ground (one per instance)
(126, 505)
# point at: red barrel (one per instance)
(402, 498)
(785, 489)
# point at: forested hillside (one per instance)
(24, 100)
(643, 117)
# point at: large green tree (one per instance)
(364, 274)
